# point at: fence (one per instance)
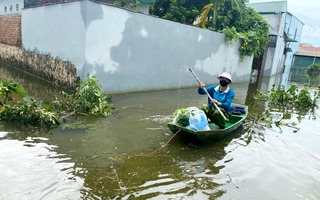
(300, 75)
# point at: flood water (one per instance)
(123, 156)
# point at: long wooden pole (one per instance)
(217, 107)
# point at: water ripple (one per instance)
(36, 172)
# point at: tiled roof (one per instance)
(269, 7)
(308, 50)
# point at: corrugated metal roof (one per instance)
(269, 7)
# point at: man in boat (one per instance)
(222, 95)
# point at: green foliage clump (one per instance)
(9, 87)
(288, 102)
(282, 105)
(29, 112)
(18, 108)
(135, 5)
(87, 100)
(231, 34)
(181, 11)
(292, 99)
(252, 32)
(313, 70)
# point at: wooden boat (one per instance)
(215, 132)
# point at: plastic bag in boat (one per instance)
(182, 116)
(198, 121)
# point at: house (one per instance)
(306, 56)
(293, 32)
(284, 34)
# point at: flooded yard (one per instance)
(112, 158)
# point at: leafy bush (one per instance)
(9, 87)
(282, 105)
(17, 108)
(29, 112)
(87, 100)
(292, 99)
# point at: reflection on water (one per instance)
(110, 158)
(31, 169)
(182, 169)
(34, 86)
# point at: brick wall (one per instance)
(10, 29)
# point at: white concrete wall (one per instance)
(12, 6)
(58, 30)
(129, 51)
(275, 58)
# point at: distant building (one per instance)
(306, 56)
(284, 34)
(9, 7)
(308, 52)
(293, 32)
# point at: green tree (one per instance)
(231, 17)
(237, 21)
(313, 72)
(181, 11)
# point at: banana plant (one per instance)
(203, 21)
(210, 13)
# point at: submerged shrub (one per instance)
(292, 99)
(283, 104)
(29, 112)
(87, 100)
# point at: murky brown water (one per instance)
(110, 158)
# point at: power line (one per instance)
(308, 36)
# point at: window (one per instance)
(17, 7)
(273, 41)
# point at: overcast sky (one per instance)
(308, 11)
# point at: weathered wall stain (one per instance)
(45, 66)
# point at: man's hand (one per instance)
(216, 102)
(202, 85)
